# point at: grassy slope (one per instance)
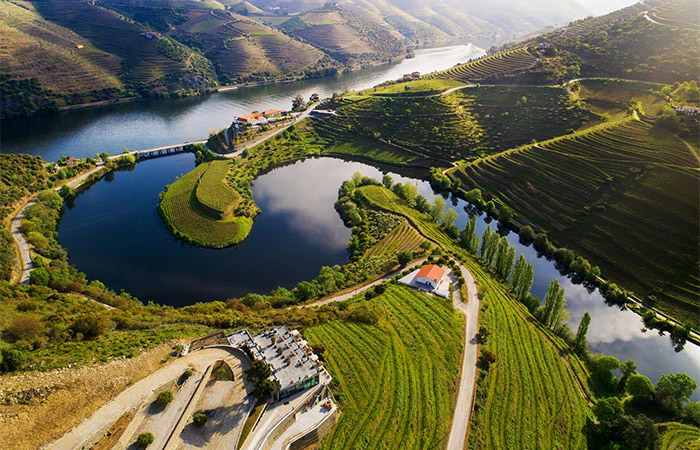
(542, 404)
(418, 87)
(33, 47)
(512, 60)
(624, 196)
(402, 238)
(184, 217)
(395, 380)
(212, 190)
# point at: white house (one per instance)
(430, 275)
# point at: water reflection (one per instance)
(151, 123)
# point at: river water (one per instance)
(113, 232)
(153, 123)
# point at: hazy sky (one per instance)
(599, 7)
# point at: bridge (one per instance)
(161, 151)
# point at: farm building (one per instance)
(688, 110)
(429, 278)
(411, 76)
(294, 366)
(270, 113)
(430, 275)
(252, 119)
(71, 161)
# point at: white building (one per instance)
(430, 275)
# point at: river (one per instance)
(152, 123)
(113, 232)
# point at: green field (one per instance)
(394, 380)
(500, 63)
(533, 393)
(213, 192)
(418, 87)
(678, 436)
(624, 196)
(185, 218)
(402, 238)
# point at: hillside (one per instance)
(623, 44)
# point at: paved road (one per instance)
(25, 259)
(463, 409)
(136, 394)
(351, 294)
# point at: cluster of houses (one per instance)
(261, 118)
(294, 365)
(410, 76)
(687, 111)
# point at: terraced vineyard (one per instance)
(678, 436)
(213, 192)
(680, 13)
(500, 63)
(62, 61)
(623, 195)
(403, 237)
(396, 378)
(533, 391)
(183, 215)
(110, 32)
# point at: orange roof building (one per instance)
(273, 112)
(431, 275)
(252, 119)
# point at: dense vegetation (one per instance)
(605, 193)
(394, 377)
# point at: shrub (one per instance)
(24, 329)
(39, 277)
(199, 419)
(187, 373)
(90, 325)
(164, 398)
(13, 359)
(144, 439)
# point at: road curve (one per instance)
(467, 383)
(25, 257)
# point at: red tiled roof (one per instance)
(250, 117)
(272, 112)
(432, 272)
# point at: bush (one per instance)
(24, 329)
(187, 373)
(39, 277)
(199, 419)
(164, 398)
(13, 359)
(144, 439)
(90, 325)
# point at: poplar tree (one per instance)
(485, 242)
(506, 258)
(553, 306)
(580, 341)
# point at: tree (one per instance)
(553, 306)
(521, 280)
(436, 211)
(677, 387)
(467, 237)
(404, 257)
(314, 98)
(426, 246)
(580, 341)
(608, 410)
(604, 365)
(449, 218)
(628, 368)
(387, 181)
(640, 386)
(409, 193)
(39, 276)
(259, 374)
(199, 419)
(298, 103)
(506, 258)
(145, 439)
(505, 215)
(527, 234)
(164, 398)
